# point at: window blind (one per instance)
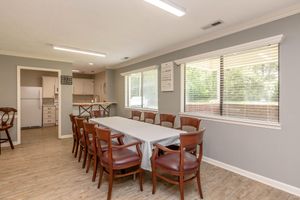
(243, 85)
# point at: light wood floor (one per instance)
(43, 168)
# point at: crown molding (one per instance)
(292, 10)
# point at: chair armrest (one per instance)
(126, 145)
(117, 135)
(163, 148)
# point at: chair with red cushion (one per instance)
(179, 163)
(167, 120)
(136, 115)
(149, 117)
(188, 124)
(117, 158)
(82, 143)
(7, 117)
(90, 138)
(76, 137)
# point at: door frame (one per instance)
(19, 68)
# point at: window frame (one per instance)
(126, 80)
(227, 119)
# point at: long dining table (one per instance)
(147, 133)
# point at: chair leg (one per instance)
(9, 139)
(154, 181)
(110, 184)
(74, 142)
(89, 157)
(76, 150)
(80, 153)
(199, 184)
(95, 167)
(100, 176)
(141, 176)
(84, 158)
(181, 187)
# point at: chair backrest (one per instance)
(96, 113)
(7, 116)
(79, 127)
(149, 117)
(191, 140)
(103, 137)
(136, 115)
(167, 120)
(186, 123)
(72, 119)
(90, 132)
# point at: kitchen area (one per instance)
(39, 99)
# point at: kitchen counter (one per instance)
(85, 108)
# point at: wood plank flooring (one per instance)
(43, 168)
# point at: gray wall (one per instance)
(33, 78)
(268, 152)
(8, 85)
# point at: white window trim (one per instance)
(126, 87)
(231, 120)
(254, 44)
(242, 47)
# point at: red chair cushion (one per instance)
(171, 161)
(122, 156)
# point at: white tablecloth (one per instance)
(149, 134)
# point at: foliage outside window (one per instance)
(243, 85)
(142, 89)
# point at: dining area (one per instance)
(116, 147)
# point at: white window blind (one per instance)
(243, 85)
(142, 89)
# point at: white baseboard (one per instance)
(66, 136)
(268, 181)
(6, 144)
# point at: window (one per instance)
(242, 85)
(142, 89)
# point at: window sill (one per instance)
(142, 109)
(233, 120)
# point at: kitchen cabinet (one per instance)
(82, 86)
(49, 113)
(50, 86)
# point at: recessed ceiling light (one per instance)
(73, 50)
(75, 70)
(91, 64)
(126, 58)
(168, 6)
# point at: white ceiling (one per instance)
(119, 28)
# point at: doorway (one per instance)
(39, 103)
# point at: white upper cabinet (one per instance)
(82, 86)
(49, 88)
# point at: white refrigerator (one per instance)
(31, 107)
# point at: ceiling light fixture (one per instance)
(75, 70)
(168, 6)
(91, 64)
(73, 50)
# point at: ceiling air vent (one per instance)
(214, 24)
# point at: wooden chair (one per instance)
(188, 124)
(167, 120)
(117, 158)
(179, 163)
(90, 138)
(149, 117)
(76, 137)
(97, 113)
(136, 115)
(7, 117)
(82, 143)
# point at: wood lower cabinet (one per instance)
(49, 112)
